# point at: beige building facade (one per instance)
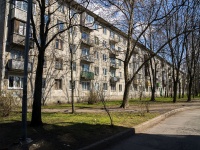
(98, 52)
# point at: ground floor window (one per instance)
(58, 84)
(105, 86)
(15, 82)
(120, 87)
(86, 86)
(113, 87)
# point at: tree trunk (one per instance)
(175, 92)
(36, 119)
(189, 91)
(179, 88)
(153, 94)
(125, 96)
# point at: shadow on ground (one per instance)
(158, 142)
(52, 136)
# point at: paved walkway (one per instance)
(178, 132)
(161, 108)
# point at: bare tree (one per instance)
(45, 30)
(175, 25)
(192, 47)
(142, 15)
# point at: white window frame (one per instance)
(14, 82)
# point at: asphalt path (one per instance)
(178, 132)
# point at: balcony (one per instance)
(88, 42)
(20, 40)
(147, 83)
(18, 14)
(114, 79)
(114, 52)
(114, 65)
(87, 58)
(18, 65)
(114, 39)
(87, 75)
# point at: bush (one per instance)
(93, 97)
(6, 100)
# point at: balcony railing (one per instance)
(20, 40)
(114, 79)
(18, 65)
(88, 41)
(18, 14)
(113, 51)
(114, 39)
(87, 58)
(114, 65)
(87, 75)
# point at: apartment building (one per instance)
(97, 49)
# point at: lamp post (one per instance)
(24, 99)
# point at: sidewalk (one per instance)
(159, 108)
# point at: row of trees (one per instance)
(169, 29)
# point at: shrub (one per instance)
(6, 100)
(93, 97)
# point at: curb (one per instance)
(137, 129)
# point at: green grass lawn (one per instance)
(71, 131)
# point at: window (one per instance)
(112, 35)
(85, 86)
(105, 86)
(96, 40)
(89, 19)
(60, 25)
(23, 5)
(84, 36)
(19, 27)
(104, 30)
(96, 70)
(59, 44)
(15, 82)
(104, 43)
(70, 85)
(120, 87)
(43, 82)
(120, 74)
(58, 84)
(112, 72)
(85, 67)
(104, 57)
(73, 13)
(119, 38)
(58, 64)
(120, 63)
(119, 49)
(17, 55)
(104, 71)
(61, 8)
(46, 18)
(96, 55)
(74, 66)
(85, 52)
(45, 62)
(47, 2)
(124, 41)
(113, 87)
(112, 46)
(96, 86)
(96, 26)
